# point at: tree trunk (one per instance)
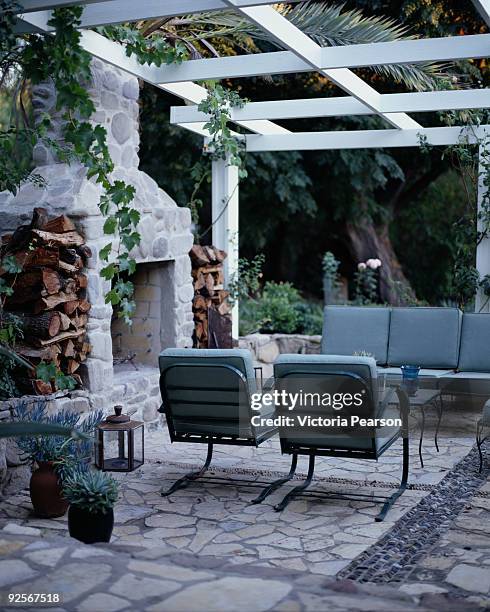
(368, 241)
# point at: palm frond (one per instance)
(327, 25)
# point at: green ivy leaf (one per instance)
(109, 271)
(105, 251)
(110, 225)
(46, 371)
(112, 297)
(10, 264)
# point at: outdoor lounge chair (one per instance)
(206, 398)
(334, 374)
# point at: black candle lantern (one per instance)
(120, 446)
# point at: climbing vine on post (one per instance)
(470, 158)
(222, 143)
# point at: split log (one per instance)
(63, 336)
(69, 239)
(47, 353)
(50, 302)
(37, 257)
(84, 251)
(70, 307)
(40, 279)
(72, 366)
(68, 349)
(68, 255)
(66, 267)
(198, 255)
(42, 388)
(79, 321)
(39, 218)
(46, 325)
(82, 281)
(65, 321)
(84, 306)
(58, 225)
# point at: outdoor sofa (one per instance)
(452, 348)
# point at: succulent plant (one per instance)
(91, 490)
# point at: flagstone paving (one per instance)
(207, 548)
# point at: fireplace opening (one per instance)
(153, 325)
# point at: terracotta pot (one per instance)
(45, 490)
(90, 527)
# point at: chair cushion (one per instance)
(427, 337)
(241, 359)
(349, 329)
(363, 366)
(474, 353)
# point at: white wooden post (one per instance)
(225, 221)
(483, 249)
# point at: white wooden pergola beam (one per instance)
(291, 37)
(115, 54)
(344, 106)
(362, 139)
(483, 7)
(104, 12)
(349, 56)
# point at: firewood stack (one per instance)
(49, 299)
(212, 312)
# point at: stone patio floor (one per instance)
(207, 548)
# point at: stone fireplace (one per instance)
(122, 365)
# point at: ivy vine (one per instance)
(222, 144)
(470, 157)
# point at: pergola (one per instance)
(300, 54)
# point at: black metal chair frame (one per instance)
(242, 391)
(288, 447)
(481, 426)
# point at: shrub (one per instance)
(280, 309)
(276, 308)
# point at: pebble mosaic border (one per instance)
(397, 553)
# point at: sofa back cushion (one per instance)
(474, 353)
(428, 337)
(350, 329)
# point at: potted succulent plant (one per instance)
(91, 495)
(54, 455)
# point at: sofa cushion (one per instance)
(474, 353)
(466, 383)
(427, 337)
(349, 329)
(395, 372)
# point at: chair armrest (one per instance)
(403, 402)
(269, 385)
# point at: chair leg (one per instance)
(188, 478)
(439, 417)
(421, 439)
(277, 483)
(479, 443)
(297, 490)
(403, 484)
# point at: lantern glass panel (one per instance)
(138, 447)
(116, 456)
